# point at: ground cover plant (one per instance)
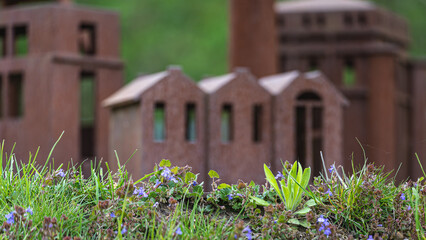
(43, 202)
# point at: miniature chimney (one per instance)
(253, 41)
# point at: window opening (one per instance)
(313, 64)
(2, 42)
(16, 98)
(87, 39)
(257, 123)
(1, 97)
(226, 123)
(320, 20)
(87, 114)
(190, 123)
(20, 40)
(349, 77)
(348, 20)
(362, 19)
(309, 129)
(159, 122)
(306, 21)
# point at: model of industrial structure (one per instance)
(317, 75)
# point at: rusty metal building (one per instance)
(362, 49)
(58, 62)
(307, 112)
(162, 116)
(238, 126)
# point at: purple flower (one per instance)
(409, 208)
(50, 225)
(248, 232)
(327, 232)
(321, 228)
(321, 219)
(379, 225)
(194, 183)
(178, 231)
(123, 230)
(370, 237)
(230, 196)
(402, 196)
(60, 173)
(166, 173)
(139, 191)
(29, 210)
(155, 205)
(112, 215)
(10, 218)
(329, 192)
(279, 175)
(331, 169)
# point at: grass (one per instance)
(43, 202)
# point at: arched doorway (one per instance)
(309, 130)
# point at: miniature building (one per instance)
(239, 126)
(57, 63)
(307, 119)
(162, 117)
(362, 49)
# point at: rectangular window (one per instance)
(301, 135)
(159, 122)
(257, 123)
(349, 76)
(16, 95)
(226, 126)
(190, 123)
(20, 40)
(87, 39)
(87, 114)
(2, 42)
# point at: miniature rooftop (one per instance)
(324, 5)
(132, 92)
(212, 84)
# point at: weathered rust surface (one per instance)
(51, 72)
(240, 158)
(132, 122)
(253, 41)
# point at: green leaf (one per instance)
(252, 184)
(294, 221)
(165, 163)
(271, 179)
(260, 201)
(223, 185)
(305, 223)
(303, 211)
(189, 177)
(310, 203)
(174, 170)
(213, 174)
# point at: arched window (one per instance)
(308, 129)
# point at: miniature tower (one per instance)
(57, 63)
(253, 38)
(361, 48)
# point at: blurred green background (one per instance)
(194, 33)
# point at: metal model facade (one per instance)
(362, 49)
(57, 63)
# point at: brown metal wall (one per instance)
(241, 158)
(253, 41)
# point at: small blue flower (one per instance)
(178, 231)
(370, 237)
(112, 215)
(248, 232)
(230, 196)
(194, 183)
(10, 218)
(29, 210)
(379, 225)
(329, 192)
(279, 175)
(331, 169)
(402, 196)
(321, 228)
(327, 232)
(166, 173)
(321, 219)
(409, 208)
(50, 225)
(155, 205)
(60, 173)
(415, 184)
(123, 230)
(139, 191)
